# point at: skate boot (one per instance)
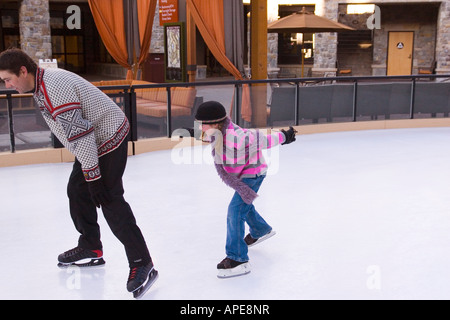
(141, 279)
(81, 257)
(250, 241)
(230, 268)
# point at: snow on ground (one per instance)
(358, 215)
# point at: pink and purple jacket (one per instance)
(239, 150)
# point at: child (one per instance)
(240, 164)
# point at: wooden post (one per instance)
(191, 46)
(258, 57)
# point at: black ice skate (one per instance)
(228, 268)
(141, 279)
(81, 258)
(250, 241)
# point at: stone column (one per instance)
(35, 37)
(326, 43)
(443, 39)
(272, 41)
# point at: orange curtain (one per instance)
(208, 16)
(110, 25)
(109, 19)
(146, 14)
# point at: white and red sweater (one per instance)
(86, 121)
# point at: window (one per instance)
(360, 8)
(9, 29)
(67, 45)
(291, 44)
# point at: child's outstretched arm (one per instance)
(272, 140)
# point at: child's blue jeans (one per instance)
(238, 213)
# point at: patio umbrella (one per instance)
(306, 22)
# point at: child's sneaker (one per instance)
(81, 257)
(230, 268)
(250, 241)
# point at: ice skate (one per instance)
(81, 258)
(228, 268)
(250, 241)
(141, 279)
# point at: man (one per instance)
(91, 126)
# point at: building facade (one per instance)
(390, 37)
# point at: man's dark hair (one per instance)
(13, 59)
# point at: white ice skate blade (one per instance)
(240, 270)
(264, 237)
(84, 263)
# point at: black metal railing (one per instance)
(304, 93)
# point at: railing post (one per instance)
(129, 108)
(412, 100)
(236, 103)
(169, 113)
(133, 114)
(11, 123)
(297, 102)
(355, 98)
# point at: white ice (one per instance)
(358, 215)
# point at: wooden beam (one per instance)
(258, 56)
(191, 30)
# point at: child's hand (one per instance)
(189, 132)
(289, 134)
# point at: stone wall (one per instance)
(355, 49)
(443, 39)
(430, 21)
(421, 19)
(35, 36)
(326, 43)
(157, 44)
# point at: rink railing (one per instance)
(125, 96)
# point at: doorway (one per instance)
(400, 53)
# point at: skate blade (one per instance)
(263, 238)
(139, 292)
(93, 263)
(240, 270)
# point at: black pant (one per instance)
(118, 213)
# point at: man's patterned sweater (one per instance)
(86, 121)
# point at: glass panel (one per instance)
(152, 107)
(61, 60)
(57, 22)
(281, 111)
(4, 132)
(57, 45)
(74, 44)
(31, 132)
(432, 100)
(74, 63)
(10, 19)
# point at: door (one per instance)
(400, 53)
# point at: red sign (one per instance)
(168, 11)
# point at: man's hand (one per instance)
(99, 194)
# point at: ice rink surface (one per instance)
(358, 215)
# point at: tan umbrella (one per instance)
(306, 22)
